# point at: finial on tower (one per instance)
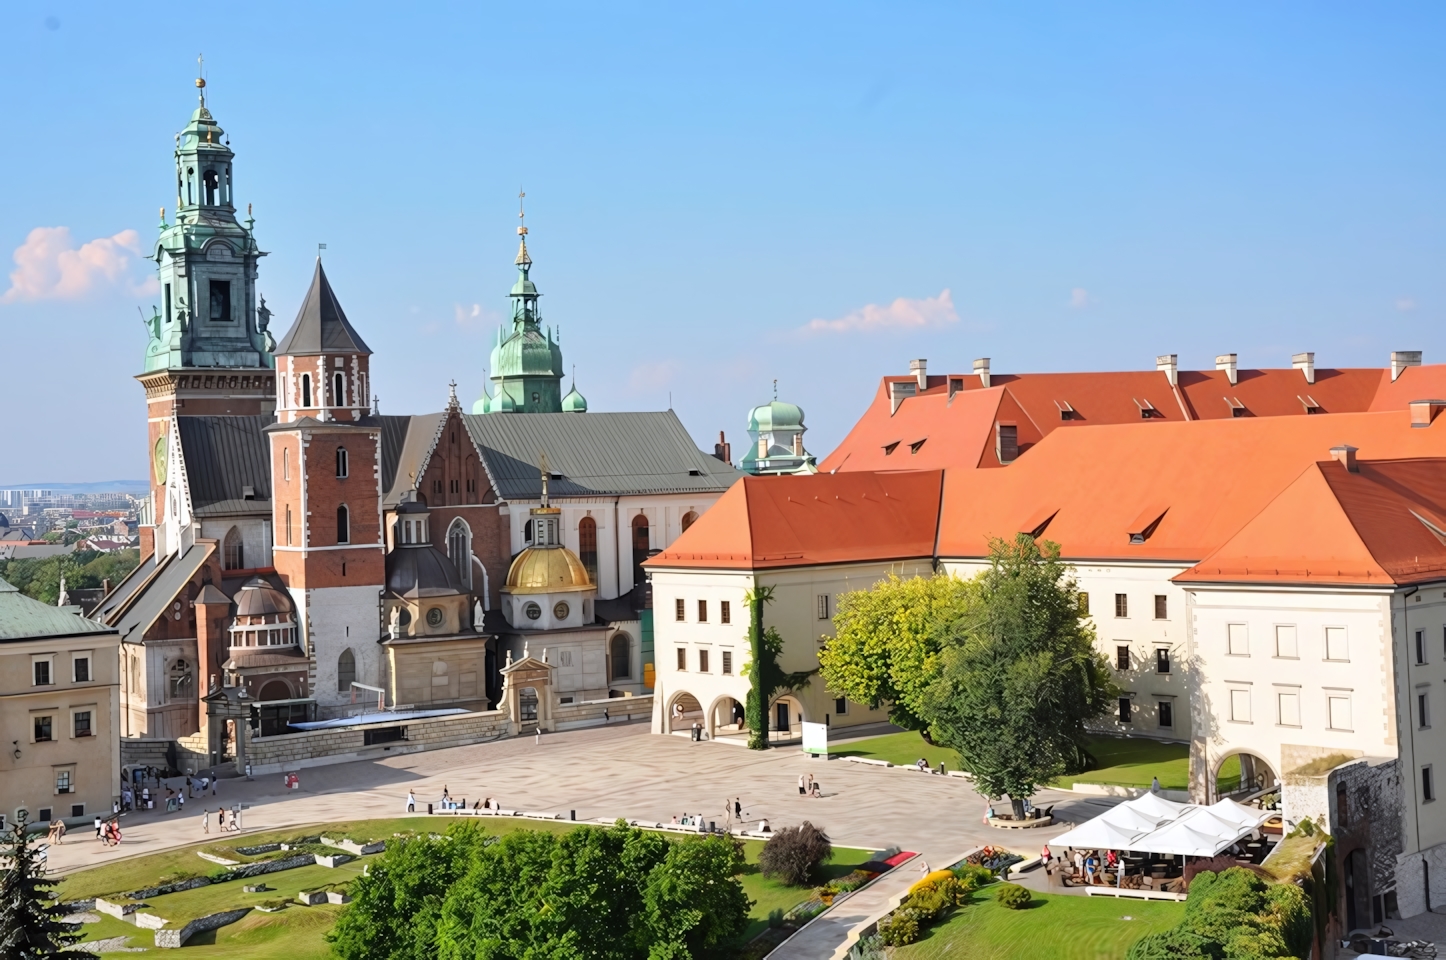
(452, 394)
(523, 260)
(200, 77)
(319, 247)
(775, 388)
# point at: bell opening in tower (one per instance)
(210, 180)
(220, 300)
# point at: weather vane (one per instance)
(201, 76)
(521, 214)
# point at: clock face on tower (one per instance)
(160, 458)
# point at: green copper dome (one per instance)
(526, 361)
(574, 402)
(776, 415)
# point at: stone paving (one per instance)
(612, 771)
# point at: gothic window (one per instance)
(345, 671)
(640, 547)
(209, 178)
(234, 555)
(622, 649)
(306, 389)
(689, 519)
(587, 546)
(220, 300)
(343, 525)
(341, 462)
(338, 390)
(181, 680)
(459, 548)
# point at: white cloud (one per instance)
(1405, 304)
(48, 266)
(653, 376)
(1079, 298)
(903, 313)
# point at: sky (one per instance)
(721, 195)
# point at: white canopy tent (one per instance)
(1151, 824)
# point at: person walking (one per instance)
(537, 740)
(411, 802)
(98, 826)
(213, 783)
(802, 785)
(1154, 784)
(205, 821)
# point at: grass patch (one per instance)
(901, 749)
(297, 933)
(1059, 927)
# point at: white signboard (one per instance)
(815, 738)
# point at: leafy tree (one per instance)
(1236, 915)
(40, 577)
(765, 676)
(886, 642)
(794, 854)
(1019, 675)
(30, 917)
(693, 905)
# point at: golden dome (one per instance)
(547, 570)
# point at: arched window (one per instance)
(527, 532)
(459, 548)
(621, 648)
(233, 554)
(587, 546)
(338, 390)
(689, 519)
(345, 670)
(288, 525)
(306, 389)
(343, 525)
(341, 462)
(640, 547)
(210, 180)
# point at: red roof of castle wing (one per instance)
(1183, 489)
(764, 522)
(1385, 524)
(957, 430)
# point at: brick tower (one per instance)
(326, 495)
(209, 351)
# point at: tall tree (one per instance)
(31, 924)
(1019, 675)
(885, 647)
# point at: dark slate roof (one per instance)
(122, 592)
(23, 618)
(589, 454)
(174, 573)
(224, 455)
(321, 326)
(406, 441)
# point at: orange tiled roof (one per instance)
(766, 522)
(1187, 488)
(1334, 526)
(1039, 403)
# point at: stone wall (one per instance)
(292, 751)
(190, 752)
(595, 713)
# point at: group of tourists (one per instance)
(808, 786)
(446, 802)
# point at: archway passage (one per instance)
(620, 657)
(527, 704)
(274, 690)
(683, 711)
(726, 718)
(1241, 775)
(786, 720)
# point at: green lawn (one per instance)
(1058, 927)
(1123, 761)
(297, 933)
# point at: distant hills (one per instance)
(136, 487)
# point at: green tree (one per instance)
(30, 918)
(40, 578)
(693, 904)
(1018, 675)
(885, 647)
(765, 676)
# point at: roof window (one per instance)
(695, 472)
(1144, 525)
(1038, 521)
(916, 445)
(1066, 412)
(1310, 403)
(890, 447)
(1237, 409)
(956, 385)
(248, 492)
(1147, 410)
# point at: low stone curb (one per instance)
(312, 897)
(165, 888)
(258, 850)
(215, 859)
(174, 939)
(359, 849)
(333, 860)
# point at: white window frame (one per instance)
(1281, 693)
(49, 660)
(56, 771)
(76, 657)
(1332, 697)
(1428, 783)
(89, 708)
(1345, 644)
(1240, 695)
(1294, 653)
(1231, 648)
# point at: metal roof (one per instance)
(405, 443)
(321, 325)
(124, 590)
(159, 593)
(224, 455)
(591, 454)
(24, 618)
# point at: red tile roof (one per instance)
(1385, 524)
(767, 522)
(1202, 481)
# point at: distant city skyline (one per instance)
(718, 198)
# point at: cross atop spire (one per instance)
(201, 77)
(523, 260)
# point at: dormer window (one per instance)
(1147, 410)
(890, 447)
(1144, 525)
(1066, 412)
(1237, 409)
(1006, 442)
(1309, 403)
(917, 445)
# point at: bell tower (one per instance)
(208, 351)
(526, 362)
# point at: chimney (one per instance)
(1346, 454)
(1305, 363)
(1401, 359)
(899, 391)
(1423, 412)
(1226, 362)
(919, 368)
(1169, 365)
(981, 367)
(723, 450)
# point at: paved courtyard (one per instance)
(618, 771)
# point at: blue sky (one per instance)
(720, 195)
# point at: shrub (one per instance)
(1012, 896)
(1234, 913)
(927, 904)
(793, 854)
(899, 929)
(931, 880)
(972, 876)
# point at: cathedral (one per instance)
(311, 558)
